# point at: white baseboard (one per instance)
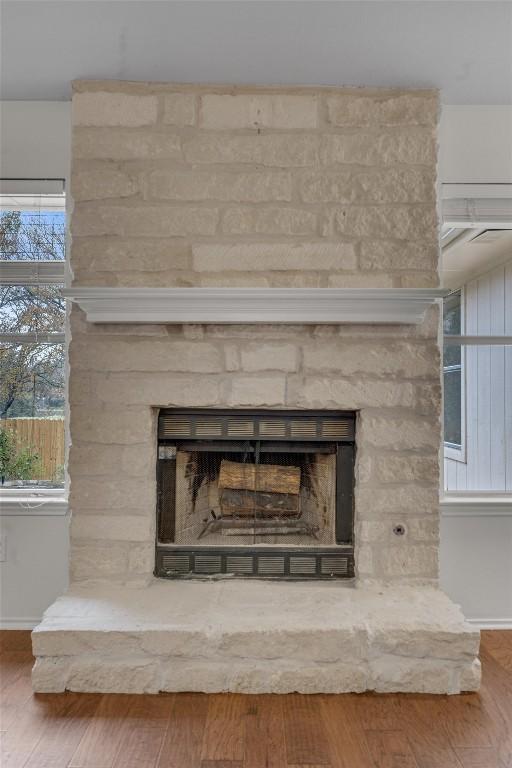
(15, 623)
(492, 623)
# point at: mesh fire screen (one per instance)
(249, 497)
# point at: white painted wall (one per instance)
(35, 571)
(35, 140)
(475, 145)
(476, 561)
(487, 371)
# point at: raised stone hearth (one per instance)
(217, 189)
(254, 638)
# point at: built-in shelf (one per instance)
(254, 305)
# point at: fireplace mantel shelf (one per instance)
(254, 305)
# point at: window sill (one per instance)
(455, 454)
(475, 504)
(45, 503)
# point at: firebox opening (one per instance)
(287, 485)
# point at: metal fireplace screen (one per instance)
(255, 493)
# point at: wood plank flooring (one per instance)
(194, 730)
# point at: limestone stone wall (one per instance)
(199, 186)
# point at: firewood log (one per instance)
(269, 478)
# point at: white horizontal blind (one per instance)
(477, 212)
(31, 272)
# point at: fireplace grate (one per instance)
(292, 563)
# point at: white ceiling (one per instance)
(463, 48)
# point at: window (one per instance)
(453, 374)
(32, 313)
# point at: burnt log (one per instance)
(259, 490)
(271, 478)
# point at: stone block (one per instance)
(332, 392)
(179, 109)
(420, 280)
(405, 675)
(407, 561)
(273, 256)
(360, 280)
(113, 109)
(115, 144)
(193, 331)
(253, 678)
(390, 185)
(233, 279)
(262, 110)
(117, 255)
(160, 389)
(268, 221)
(401, 222)
(254, 332)
(57, 643)
(195, 676)
(412, 499)
(101, 183)
(146, 356)
(332, 678)
(98, 562)
(113, 527)
(79, 388)
(422, 529)
(257, 391)
(391, 108)
(388, 468)
(399, 433)
(285, 151)
(470, 676)
(131, 675)
(121, 425)
(143, 221)
(390, 255)
(431, 642)
(141, 558)
(137, 279)
(269, 357)
(297, 279)
(50, 675)
(363, 560)
(329, 645)
(399, 359)
(103, 493)
(231, 357)
(192, 185)
(407, 146)
(106, 459)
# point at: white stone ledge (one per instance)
(253, 637)
(255, 305)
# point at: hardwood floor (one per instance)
(190, 730)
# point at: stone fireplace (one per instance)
(206, 447)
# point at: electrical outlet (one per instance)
(3, 547)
